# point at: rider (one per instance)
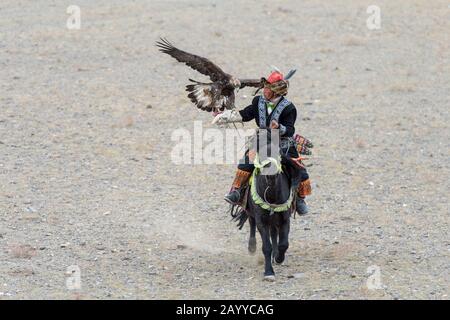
(270, 110)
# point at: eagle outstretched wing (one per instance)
(259, 83)
(200, 64)
(255, 83)
(218, 95)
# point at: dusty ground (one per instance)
(85, 170)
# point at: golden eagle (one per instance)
(216, 96)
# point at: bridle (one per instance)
(262, 202)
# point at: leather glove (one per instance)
(228, 116)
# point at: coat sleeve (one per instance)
(287, 121)
(250, 112)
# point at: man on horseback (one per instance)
(271, 110)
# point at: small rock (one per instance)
(297, 275)
(65, 245)
(149, 106)
(5, 294)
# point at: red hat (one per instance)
(275, 77)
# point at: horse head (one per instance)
(271, 182)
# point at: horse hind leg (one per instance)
(252, 238)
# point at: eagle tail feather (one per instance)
(200, 94)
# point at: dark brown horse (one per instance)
(269, 207)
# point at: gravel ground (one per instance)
(86, 178)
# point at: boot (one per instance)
(235, 194)
(304, 189)
(302, 208)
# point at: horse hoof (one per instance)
(270, 278)
(280, 260)
(252, 245)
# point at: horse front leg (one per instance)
(284, 239)
(274, 238)
(263, 229)
(252, 239)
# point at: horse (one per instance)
(268, 206)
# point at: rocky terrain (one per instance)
(87, 180)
